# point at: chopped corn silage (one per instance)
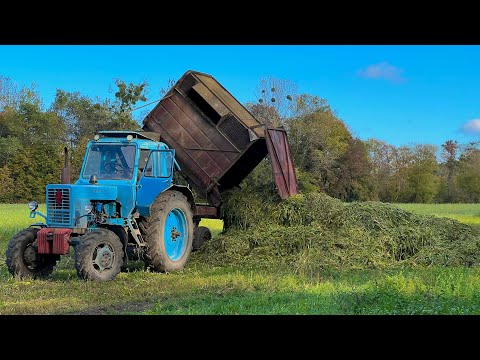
(311, 232)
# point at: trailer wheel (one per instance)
(169, 232)
(23, 260)
(200, 235)
(99, 255)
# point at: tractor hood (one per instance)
(66, 203)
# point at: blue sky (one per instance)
(400, 94)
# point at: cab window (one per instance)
(159, 164)
(110, 162)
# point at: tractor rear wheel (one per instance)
(99, 255)
(169, 232)
(23, 260)
(200, 236)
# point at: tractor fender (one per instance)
(185, 190)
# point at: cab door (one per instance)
(156, 178)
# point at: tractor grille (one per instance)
(58, 206)
(235, 132)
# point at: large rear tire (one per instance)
(169, 232)
(99, 255)
(23, 260)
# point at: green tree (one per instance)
(449, 157)
(354, 180)
(422, 175)
(382, 162)
(32, 142)
(22, 126)
(33, 168)
(128, 95)
(468, 176)
(318, 140)
(9, 146)
(7, 188)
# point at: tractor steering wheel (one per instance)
(114, 167)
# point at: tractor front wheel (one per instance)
(23, 260)
(99, 255)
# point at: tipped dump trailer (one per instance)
(217, 141)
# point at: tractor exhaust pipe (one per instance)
(65, 177)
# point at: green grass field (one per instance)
(465, 213)
(203, 289)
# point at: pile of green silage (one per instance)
(312, 232)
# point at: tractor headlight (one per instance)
(32, 205)
(88, 208)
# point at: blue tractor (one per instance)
(125, 205)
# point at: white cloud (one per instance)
(471, 127)
(384, 71)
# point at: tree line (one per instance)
(326, 155)
(329, 158)
(33, 136)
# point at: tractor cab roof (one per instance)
(143, 139)
(143, 135)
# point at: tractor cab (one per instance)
(119, 155)
(137, 165)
